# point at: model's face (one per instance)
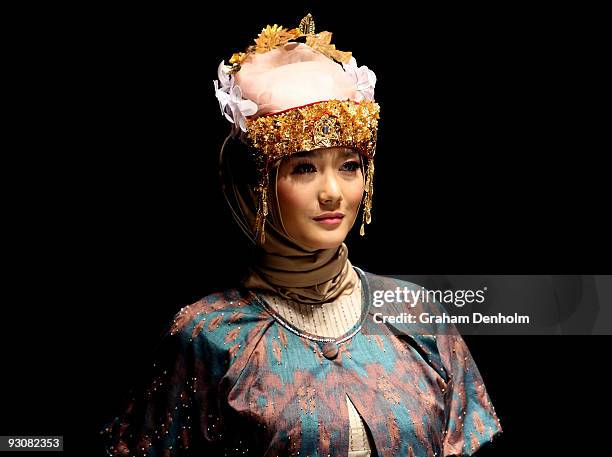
(313, 183)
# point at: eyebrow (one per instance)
(317, 152)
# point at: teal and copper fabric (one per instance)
(230, 379)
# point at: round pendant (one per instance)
(330, 350)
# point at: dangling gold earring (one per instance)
(262, 207)
(366, 217)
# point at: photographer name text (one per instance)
(427, 318)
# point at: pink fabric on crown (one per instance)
(292, 75)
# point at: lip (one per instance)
(329, 218)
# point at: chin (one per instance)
(328, 240)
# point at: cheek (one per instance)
(354, 193)
(292, 199)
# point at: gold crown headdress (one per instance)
(338, 120)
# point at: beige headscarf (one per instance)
(283, 78)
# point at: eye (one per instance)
(303, 168)
(351, 166)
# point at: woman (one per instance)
(290, 362)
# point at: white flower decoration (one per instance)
(232, 105)
(365, 79)
(226, 79)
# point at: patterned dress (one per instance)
(232, 377)
(333, 319)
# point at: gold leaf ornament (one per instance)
(237, 57)
(307, 25)
(273, 36)
(322, 43)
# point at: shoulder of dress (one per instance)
(234, 307)
(421, 339)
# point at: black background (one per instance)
(488, 161)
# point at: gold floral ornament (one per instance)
(273, 36)
(322, 124)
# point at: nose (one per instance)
(330, 192)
